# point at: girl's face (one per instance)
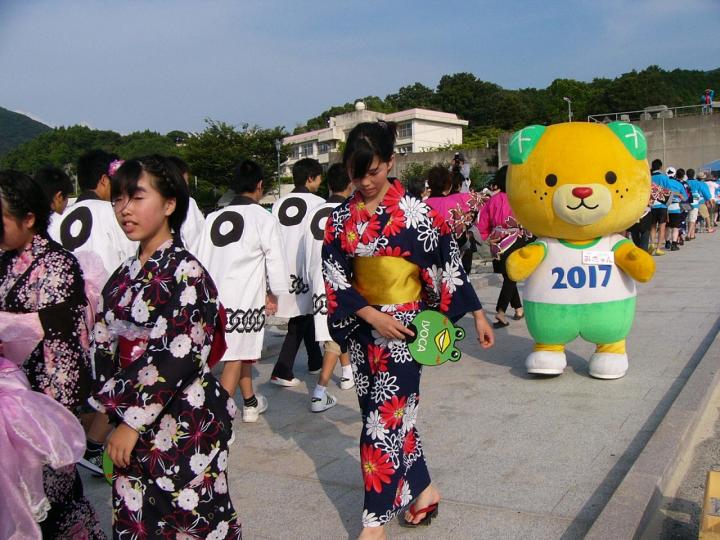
(144, 216)
(18, 232)
(375, 182)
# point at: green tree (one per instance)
(59, 147)
(413, 96)
(142, 143)
(213, 154)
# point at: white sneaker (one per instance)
(546, 362)
(285, 382)
(251, 414)
(346, 384)
(323, 404)
(608, 365)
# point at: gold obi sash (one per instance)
(386, 280)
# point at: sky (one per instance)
(132, 65)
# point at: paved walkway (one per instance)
(514, 456)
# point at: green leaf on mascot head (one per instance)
(632, 138)
(523, 142)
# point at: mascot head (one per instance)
(578, 180)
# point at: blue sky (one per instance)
(159, 64)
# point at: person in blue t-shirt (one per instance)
(676, 214)
(659, 209)
(700, 195)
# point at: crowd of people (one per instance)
(681, 205)
(118, 307)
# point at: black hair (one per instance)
(690, 174)
(165, 178)
(337, 178)
(246, 176)
(456, 181)
(181, 164)
(656, 165)
(438, 180)
(52, 180)
(92, 166)
(24, 196)
(679, 173)
(304, 169)
(416, 186)
(365, 142)
(500, 178)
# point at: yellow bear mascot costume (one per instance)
(575, 186)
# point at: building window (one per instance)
(295, 153)
(307, 149)
(405, 130)
(323, 148)
(404, 148)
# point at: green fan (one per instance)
(108, 468)
(435, 338)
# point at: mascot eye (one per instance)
(610, 177)
(551, 180)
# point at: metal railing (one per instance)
(649, 113)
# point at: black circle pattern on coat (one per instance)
(292, 202)
(84, 216)
(318, 232)
(233, 235)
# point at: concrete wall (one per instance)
(433, 135)
(685, 141)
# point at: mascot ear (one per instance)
(632, 138)
(523, 142)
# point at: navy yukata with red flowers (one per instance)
(387, 379)
(152, 339)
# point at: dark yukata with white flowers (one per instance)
(387, 379)
(46, 279)
(152, 338)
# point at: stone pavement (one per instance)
(514, 456)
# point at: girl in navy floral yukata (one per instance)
(157, 333)
(387, 255)
(42, 281)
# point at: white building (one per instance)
(419, 130)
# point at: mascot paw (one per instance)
(546, 362)
(636, 262)
(524, 261)
(608, 365)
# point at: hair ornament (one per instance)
(114, 166)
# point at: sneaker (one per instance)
(323, 404)
(345, 383)
(658, 252)
(285, 382)
(251, 414)
(668, 244)
(674, 247)
(93, 462)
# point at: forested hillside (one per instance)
(490, 108)
(16, 128)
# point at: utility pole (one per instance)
(569, 102)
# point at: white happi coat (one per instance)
(90, 225)
(192, 227)
(291, 211)
(240, 247)
(314, 233)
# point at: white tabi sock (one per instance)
(347, 372)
